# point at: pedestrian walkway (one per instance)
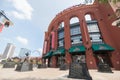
(52, 74)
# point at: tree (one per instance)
(106, 1)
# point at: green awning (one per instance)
(60, 51)
(49, 54)
(77, 49)
(102, 47)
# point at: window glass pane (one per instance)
(88, 17)
(97, 40)
(60, 34)
(93, 27)
(61, 43)
(75, 30)
(76, 39)
(94, 32)
(60, 38)
(74, 20)
(95, 37)
(61, 25)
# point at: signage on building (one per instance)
(77, 49)
(102, 47)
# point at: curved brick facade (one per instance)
(101, 13)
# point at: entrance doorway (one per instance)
(103, 57)
(49, 62)
(60, 60)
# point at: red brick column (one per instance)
(104, 29)
(54, 61)
(90, 59)
(67, 40)
(107, 36)
(115, 58)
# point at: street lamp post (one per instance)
(4, 21)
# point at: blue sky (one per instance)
(31, 19)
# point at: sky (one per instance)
(31, 19)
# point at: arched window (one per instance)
(75, 32)
(61, 25)
(61, 34)
(74, 20)
(93, 29)
(88, 17)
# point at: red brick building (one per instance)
(91, 36)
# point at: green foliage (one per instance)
(106, 1)
(103, 1)
(115, 1)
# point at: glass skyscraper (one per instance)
(23, 52)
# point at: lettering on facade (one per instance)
(58, 52)
(102, 47)
(77, 49)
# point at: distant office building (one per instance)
(0, 55)
(9, 51)
(23, 52)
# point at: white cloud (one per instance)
(22, 40)
(23, 9)
(18, 15)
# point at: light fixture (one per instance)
(4, 20)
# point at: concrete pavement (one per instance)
(52, 74)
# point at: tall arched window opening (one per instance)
(61, 35)
(93, 29)
(75, 33)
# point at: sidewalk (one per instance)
(52, 74)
